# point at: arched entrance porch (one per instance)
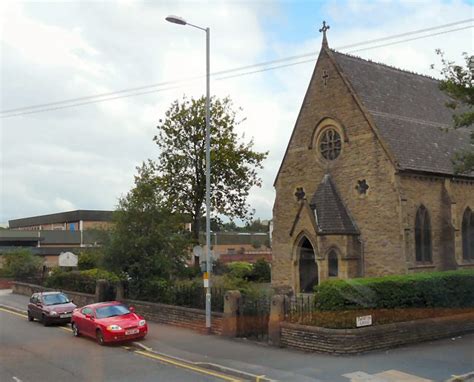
(307, 266)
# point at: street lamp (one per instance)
(180, 21)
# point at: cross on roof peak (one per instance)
(324, 29)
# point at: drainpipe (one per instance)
(362, 257)
(81, 227)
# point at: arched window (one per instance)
(330, 143)
(468, 235)
(333, 265)
(423, 235)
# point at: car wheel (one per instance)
(44, 320)
(75, 330)
(100, 337)
(30, 317)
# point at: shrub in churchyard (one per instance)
(453, 289)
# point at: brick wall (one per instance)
(349, 341)
(177, 315)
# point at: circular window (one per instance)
(330, 144)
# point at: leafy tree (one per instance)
(22, 263)
(458, 83)
(147, 241)
(90, 258)
(240, 269)
(230, 227)
(261, 271)
(181, 167)
(256, 226)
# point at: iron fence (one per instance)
(186, 296)
(300, 308)
(253, 316)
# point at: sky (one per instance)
(85, 156)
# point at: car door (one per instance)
(35, 306)
(87, 324)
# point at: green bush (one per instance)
(22, 264)
(453, 289)
(79, 281)
(261, 271)
(240, 270)
(90, 259)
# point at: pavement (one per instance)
(429, 361)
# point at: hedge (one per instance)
(452, 289)
(79, 281)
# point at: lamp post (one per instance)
(180, 21)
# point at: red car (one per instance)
(108, 322)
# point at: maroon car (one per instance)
(50, 307)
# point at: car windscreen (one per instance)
(55, 299)
(111, 311)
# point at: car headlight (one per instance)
(113, 328)
(53, 313)
(141, 323)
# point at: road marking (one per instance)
(24, 316)
(16, 379)
(385, 376)
(186, 366)
(154, 356)
(257, 378)
(12, 312)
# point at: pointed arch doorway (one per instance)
(307, 266)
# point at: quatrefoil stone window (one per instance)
(330, 144)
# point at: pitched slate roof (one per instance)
(409, 111)
(332, 216)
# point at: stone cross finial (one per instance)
(324, 29)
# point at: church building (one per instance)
(367, 185)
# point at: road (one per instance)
(32, 352)
(423, 362)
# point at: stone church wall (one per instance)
(377, 213)
(446, 202)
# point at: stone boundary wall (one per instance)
(178, 316)
(350, 341)
(80, 299)
(166, 314)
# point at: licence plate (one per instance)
(67, 315)
(131, 331)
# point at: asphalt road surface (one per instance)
(31, 352)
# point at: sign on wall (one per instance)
(363, 321)
(67, 259)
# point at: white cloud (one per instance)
(85, 157)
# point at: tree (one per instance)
(90, 258)
(22, 263)
(148, 242)
(458, 83)
(181, 165)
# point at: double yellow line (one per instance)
(186, 366)
(155, 356)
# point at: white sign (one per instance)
(197, 250)
(67, 259)
(364, 321)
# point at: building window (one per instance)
(468, 235)
(423, 235)
(330, 144)
(333, 265)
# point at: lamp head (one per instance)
(176, 20)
